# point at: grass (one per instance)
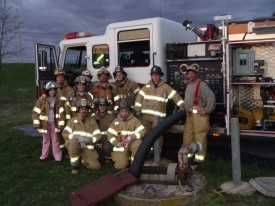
(26, 181)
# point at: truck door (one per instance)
(45, 64)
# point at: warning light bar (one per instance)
(75, 35)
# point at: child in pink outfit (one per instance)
(49, 118)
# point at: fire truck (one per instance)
(236, 60)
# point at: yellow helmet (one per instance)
(59, 72)
(51, 85)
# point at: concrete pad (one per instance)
(265, 185)
(243, 188)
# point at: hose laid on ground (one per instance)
(149, 140)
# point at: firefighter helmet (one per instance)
(123, 104)
(102, 100)
(51, 85)
(59, 72)
(156, 70)
(103, 70)
(80, 80)
(193, 67)
(119, 69)
(86, 73)
(83, 103)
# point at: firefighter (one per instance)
(103, 88)
(64, 91)
(80, 135)
(79, 93)
(88, 76)
(125, 134)
(151, 101)
(125, 88)
(199, 102)
(104, 120)
(48, 118)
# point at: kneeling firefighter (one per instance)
(125, 134)
(80, 135)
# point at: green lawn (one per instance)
(26, 181)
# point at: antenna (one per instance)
(19, 35)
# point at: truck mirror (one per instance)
(42, 60)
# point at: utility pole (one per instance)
(19, 35)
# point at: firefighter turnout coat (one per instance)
(119, 128)
(40, 114)
(89, 129)
(128, 90)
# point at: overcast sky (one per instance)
(47, 21)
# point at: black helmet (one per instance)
(119, 69)
(123, 104)
(156, 70)
(102, 100)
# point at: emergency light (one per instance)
(74, 35)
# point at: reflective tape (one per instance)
(148, 111)
(172, 93)
(37, 110)
(113, 139)
(68, 129)
(42, 131)
(112, 131)
(199, 157)
(68, 116)
(180, 102)
(73, 109)
(74, 159)
(42, 117)
(117, 97)
(90, 146)
(156, 98)
(136, 90)
(118, 149)
(61, 123)
(137, 104)
(142, 93)
(61, 109)
(35, 121)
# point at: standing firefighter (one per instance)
(125, 134)
(49, 118)
(103, 88)
(199, 102)
(125, 88)
(152, 99)
(81, 134)
(104, 120)
(88, 77)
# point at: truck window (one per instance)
(100, 56)
(134, 48)
(75, 62)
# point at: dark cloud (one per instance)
(47, 21)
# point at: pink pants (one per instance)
(47, 142)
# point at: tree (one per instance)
(9, 28)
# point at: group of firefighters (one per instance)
(108, 120)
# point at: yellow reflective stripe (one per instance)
(61, 109)
(57, 116)
(61, 123)
(136, 90)
(142, 93)
(189, 155)
(199, 157)
(57, 130)
(180, 102)
(42, 117)
(63, 98)
(113, 139)
(35, 121)
(42, 131)
(156, 98)
(104, 133)
(71, 136)
(117, 97)
(112, 131)
(61, 146)
(148, 86)
(148, 111)
(37, 110)
(68, 116)
(68, 129)
(73, 109)
(74, 159)
(137, 104)
(67, 104)
(90, 146)
(170, 96)
(118, 149)
(115, 108)
(138, 129)
(96, 132)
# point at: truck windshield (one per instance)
(75, 61)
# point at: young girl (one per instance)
(48, 118)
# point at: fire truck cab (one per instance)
(135, 45)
